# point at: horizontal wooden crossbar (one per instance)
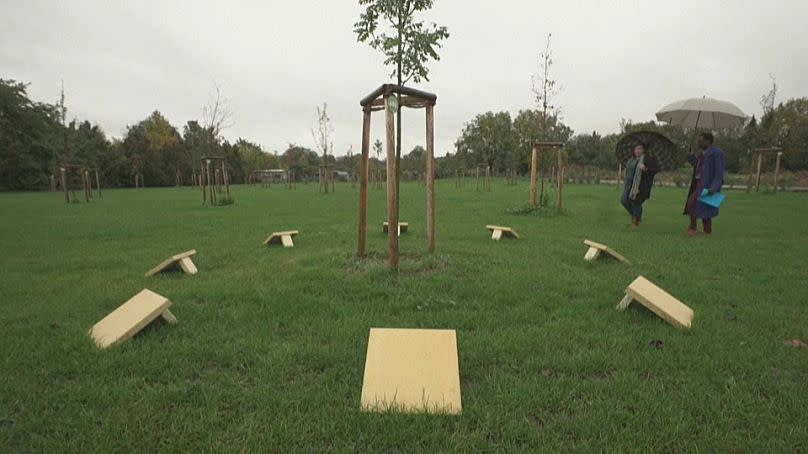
(388, 89)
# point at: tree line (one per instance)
(494, 139)
(36, 140)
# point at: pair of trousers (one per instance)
(634, 208)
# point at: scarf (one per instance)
(635, 184)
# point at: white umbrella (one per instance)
(704, 112)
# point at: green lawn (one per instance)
(269, 351)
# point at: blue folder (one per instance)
(714, 200)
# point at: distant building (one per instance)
(340, 175)
(269, 176)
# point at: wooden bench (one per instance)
(402, 227)
(411, 370)
(182, 261)
(596, 250)
(284, 238)
(658, 301)
(131, 317)
(498, 232)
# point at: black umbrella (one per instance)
(657, 145)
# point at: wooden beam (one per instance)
(430, 179)
(363, 184)
(777, 170)
(751, 169)
(757, 177)
(560, 176)
(534, 169)
(98, 183)
(392, 193)
(63, 173)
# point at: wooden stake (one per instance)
(757, 177)
(392, 193)
(478, 178)
(619, 173)
(208, 182)
(751, 167)
(63, 172)
(430, 179)
(534, 171)
(777, 171)
(98, 183)
(201, 181)
(488, 178)
(560, 173)
(363, 184)
(226, 179)
(53, 183)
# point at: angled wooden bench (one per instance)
(131, 317)
(657, 301)
(182, 261)
(497, 232)
(402, 227)
(284, 238)
(411, 370)
(596, 250)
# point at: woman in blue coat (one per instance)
(708, 173)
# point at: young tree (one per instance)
(767, 101)
(321, 136)
(545, 89)
(216, 116)
(390, 26)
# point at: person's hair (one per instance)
(643, 145)
(708, 136)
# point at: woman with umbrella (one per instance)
(640, 171)
(644, 153)
(708, 164)
(708, 175)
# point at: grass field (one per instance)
(269, 351)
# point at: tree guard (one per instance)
(757, 156)
(376, 101)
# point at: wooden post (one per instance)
(363, 183)
(333, 180)
(88, 188)
(430, 179)
(751, 167)
(777, 171)
(225, 179)
(201, 182)
(53, 183)
(534, 169)
(208, 182)
(488, 178)
(98, 183)
(478, 178)
(619, 173)
(757, 177)
(63, 173)
(560, 176)
(392, 193)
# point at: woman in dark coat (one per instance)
(640, 172)
(708, 173)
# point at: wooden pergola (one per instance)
(534, 169)
(757, 155)
(376, 101)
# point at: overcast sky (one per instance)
(277, 60)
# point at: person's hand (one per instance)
(643, 168)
